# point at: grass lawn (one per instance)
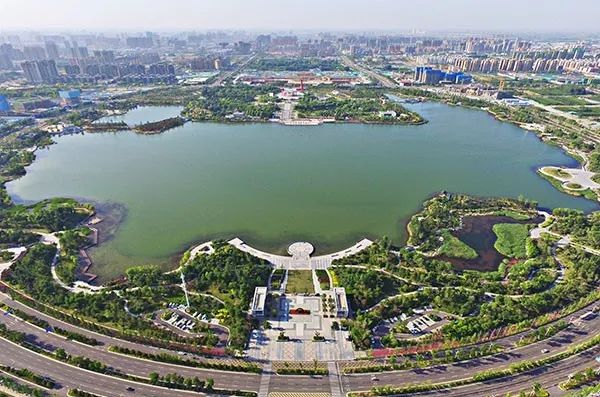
(557, 172)
(299, 282)
(455, 248)
(560, 100)
(513, 214)
(277, 278)
(511, 239)
(323, 279)
(573, 185)
(582, 111)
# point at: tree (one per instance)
(154, 378)
(61, 354)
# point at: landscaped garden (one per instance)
(299, 282)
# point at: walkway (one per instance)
(563, 241)
(265, 379)
(576, 176)
(17, 253)
(300, 260)
(78, 286)
(334, 379)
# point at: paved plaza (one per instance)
(300, 254)
(300, 329)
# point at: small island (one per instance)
(159, 126)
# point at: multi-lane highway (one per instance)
(225, 75)
(384, 81)
(443, 373)
(549, 376)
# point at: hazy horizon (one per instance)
(577, 16)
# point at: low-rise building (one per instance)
(258, 302)
(341, 302)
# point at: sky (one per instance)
(323, 15)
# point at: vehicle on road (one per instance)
(130, 388)
(588, 316)
(545, 351)
(374, 378)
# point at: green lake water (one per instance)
(272, 185)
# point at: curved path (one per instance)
(277, 383)
(301, 258)
(577, 176)
(576, 333)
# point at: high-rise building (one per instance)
(48, 70)
(242, 47)
(104, 56)
(431, 76)
(52, 50)
(72, 70)
(40, 71)
(34, 53)
(32, 72)
(263, 41)
(139, 42)
(77, 52)
(5, 62)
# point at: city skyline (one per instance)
(334, 15)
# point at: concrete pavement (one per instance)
(300, 262)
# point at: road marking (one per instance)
(334, 379)
(299, 394)
(265, 379)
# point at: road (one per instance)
(126, 364)
(69, 377)
(442, 373)
(549, 377)
(286, 383)
(225, 75)
(552, 109)
(384, 81)
(287, 112)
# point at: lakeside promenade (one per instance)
(300, 255)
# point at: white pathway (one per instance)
(300, 258)
(265, 379)
(577, 176)
(78, 286)
(17, 252)
(334, 379)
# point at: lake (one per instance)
(272, 185)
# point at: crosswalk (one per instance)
(265, 380)
(334, 379)
(298, 394)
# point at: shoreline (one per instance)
(172, 259)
